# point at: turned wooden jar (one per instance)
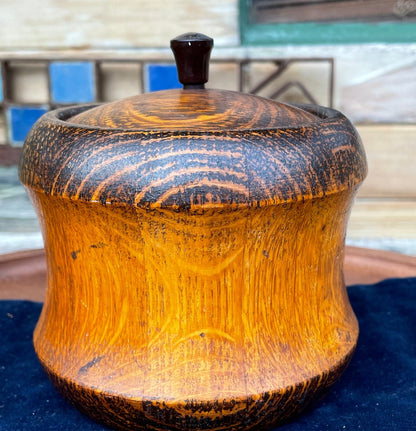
(195, 243)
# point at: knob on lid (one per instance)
(192, 52)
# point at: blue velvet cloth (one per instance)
(377, 392)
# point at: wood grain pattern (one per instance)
(170, 168)
(23, 273)
(196, 309)
(196, 110)
(194, 277)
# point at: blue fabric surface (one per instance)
(377, 392)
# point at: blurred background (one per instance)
(357, 56)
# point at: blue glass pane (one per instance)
(72, 82)
(21, 119)
(162, 77)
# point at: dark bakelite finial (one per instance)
(192, 52)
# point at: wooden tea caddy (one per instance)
(194, 242)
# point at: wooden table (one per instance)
(23, 274)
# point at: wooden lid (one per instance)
(192, 148)
(194, 110)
